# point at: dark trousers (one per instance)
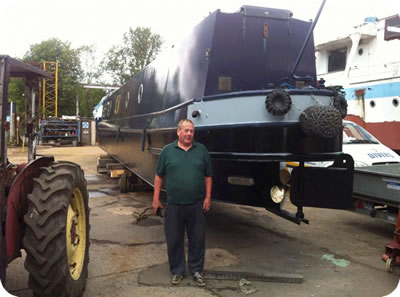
(177, 219)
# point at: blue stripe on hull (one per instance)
(375, 91)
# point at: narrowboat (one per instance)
(248, 82)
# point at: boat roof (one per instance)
(367, 31)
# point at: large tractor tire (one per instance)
(57, 232)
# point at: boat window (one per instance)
(107, 110)
(117, 103)
(127, 97)
(392, 26)
(337, 60)
(353, 133)
(140, 94)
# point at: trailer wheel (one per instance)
(57, 232)
(390, 265)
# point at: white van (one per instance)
(365, 149)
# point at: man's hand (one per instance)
(156, 205)
(156, 196)
(207, 199)
(207, 204)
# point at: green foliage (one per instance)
(69, 69)
(90, 69)
(138, 49)
(88, 99)
(15, 93)
(78, 67)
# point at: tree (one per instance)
(90, 74)
(138, 49)
(90, 69)
(15, 93)
(69, 71)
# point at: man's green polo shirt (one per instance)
(184, 172)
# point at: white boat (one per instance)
(366, 63)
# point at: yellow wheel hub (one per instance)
(76, 234)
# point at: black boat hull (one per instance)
(231, 78)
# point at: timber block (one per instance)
(104, 162)
(112, 166)
(102, 169)
(116, 173)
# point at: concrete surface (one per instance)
(338, 254)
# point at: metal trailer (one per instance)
(43, 204)
(376, 192)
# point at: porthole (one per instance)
(360, 51)
(140, 94)
(117, 103)
(372, 103)
(126, 100)
(108, 108)
(395, 102)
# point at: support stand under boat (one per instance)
(392, 249)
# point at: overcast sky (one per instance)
(103, 22)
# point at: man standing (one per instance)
(185, 167)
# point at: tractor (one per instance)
(43, 203)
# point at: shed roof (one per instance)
(21, 69)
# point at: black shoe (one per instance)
(176, 279)
(199, 279)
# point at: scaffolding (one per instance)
(50, 90)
